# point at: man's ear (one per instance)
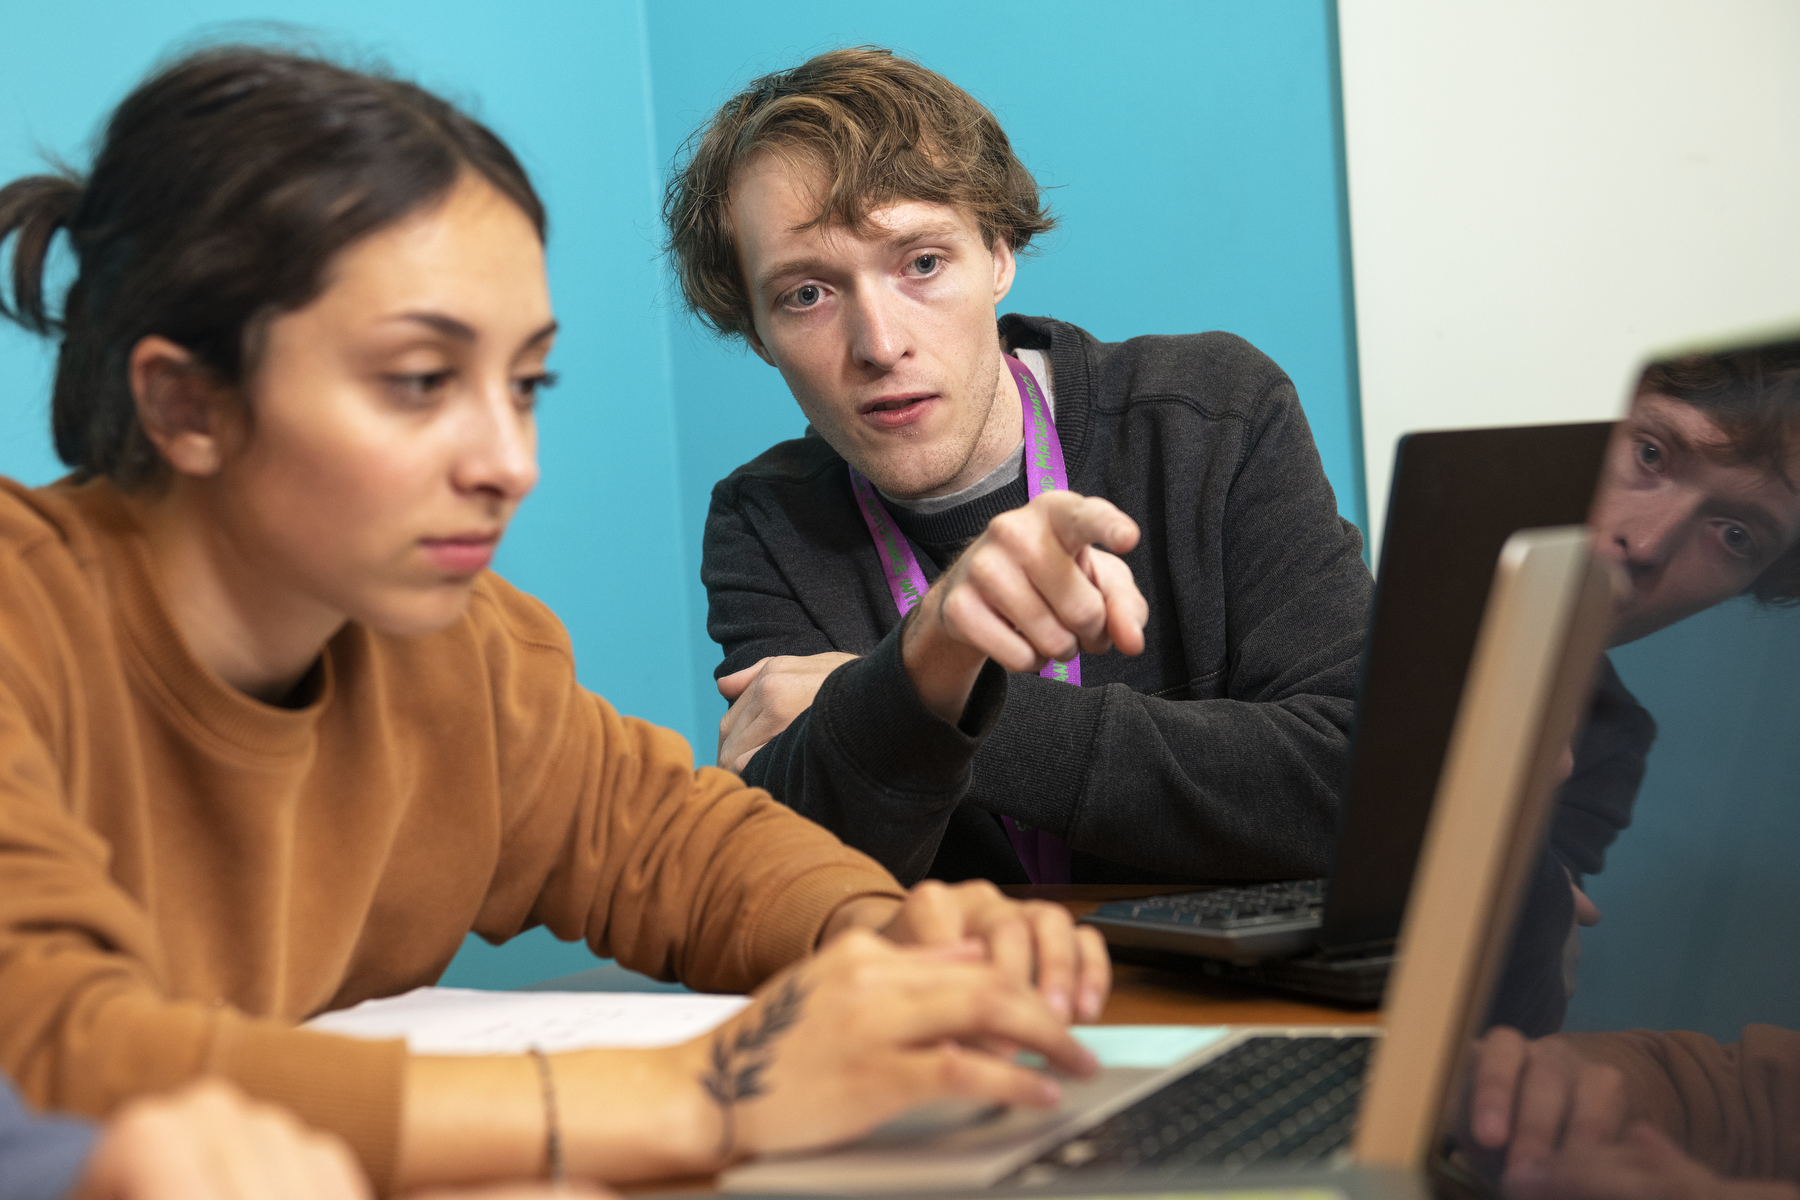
(756, 344)
(1005, 266)
(181, 405)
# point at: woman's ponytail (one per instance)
(32, 209)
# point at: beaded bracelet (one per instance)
(553, 1151)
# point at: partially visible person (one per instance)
(918, 600)
(273, 740)
(1637, 1114)
(205, 1142)
(1699, 503)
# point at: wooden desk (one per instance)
(1145, 995)
(1141, 995)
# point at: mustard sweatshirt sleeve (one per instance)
(187, 873)
(615, 838)
(1733, 1106)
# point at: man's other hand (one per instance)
(765, 698)
(1033, 942)
(1041, 582)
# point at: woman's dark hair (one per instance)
(1753, 396)
(222, 189)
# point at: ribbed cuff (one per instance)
(351, 1087)
(792, 921)
(871, 712)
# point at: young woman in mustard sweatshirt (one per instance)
(273, 740)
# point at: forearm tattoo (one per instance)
(740, 1059)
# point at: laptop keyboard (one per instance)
(1226, 908)
(1287, 1100)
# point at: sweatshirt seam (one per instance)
(760, 928)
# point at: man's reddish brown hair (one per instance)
(879, 129)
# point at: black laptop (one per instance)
(1457, 496)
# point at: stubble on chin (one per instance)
(944, 465)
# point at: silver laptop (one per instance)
(1348, 1109)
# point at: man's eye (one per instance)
(1649, 455)
(807, 295)
(925, 264)
(1737, 539)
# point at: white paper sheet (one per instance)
(466, 1021)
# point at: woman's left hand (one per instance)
(1034, 941)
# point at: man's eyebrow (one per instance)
(782, 270)
(934, 232)
(1667, 432)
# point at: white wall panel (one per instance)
(1542, 190)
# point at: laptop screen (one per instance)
(1664, 899)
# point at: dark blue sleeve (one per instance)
(40, 1157)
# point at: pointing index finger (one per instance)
(1089, 520)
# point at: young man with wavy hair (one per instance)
(1025, 496)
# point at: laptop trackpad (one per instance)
(944, 1144)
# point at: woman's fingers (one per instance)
(971, 1002)
(1094, 976)
(958, 1070)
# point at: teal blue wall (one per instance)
(1194, 156)
(1193, 146)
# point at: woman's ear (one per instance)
(181, 405)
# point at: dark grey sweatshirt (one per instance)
(1219, 753)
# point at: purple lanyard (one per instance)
(1044, 855)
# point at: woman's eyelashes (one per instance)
(421, 389)
(528, 388)
(418, 388)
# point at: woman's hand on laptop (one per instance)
(1030, 941)
(865, 1030)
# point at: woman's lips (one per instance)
(462, 555)
(892, 413)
